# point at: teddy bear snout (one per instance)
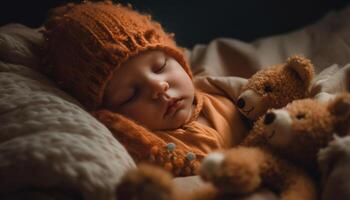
(269, 118)
(279, 128)
(251, 104)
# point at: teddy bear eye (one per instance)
(300, 116)
(267, 88)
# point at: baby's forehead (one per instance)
(138, 62)
(128, 69)
(144, 56)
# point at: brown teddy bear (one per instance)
(268, 89)
(150, 182)
(308, 122)
(281, 148)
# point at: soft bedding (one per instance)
(49, 143)
(326, 42)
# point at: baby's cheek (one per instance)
(134, 113)
(186, 114)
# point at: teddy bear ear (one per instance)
(303, 67)
(340, 106)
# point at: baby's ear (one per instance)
(340, 106)
(303, 67)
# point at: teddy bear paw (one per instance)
(146, 182)
(210, 166)
(231, 174)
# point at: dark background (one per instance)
(199, 21)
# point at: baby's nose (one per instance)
(159, 88)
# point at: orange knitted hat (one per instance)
(87, 42)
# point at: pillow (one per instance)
(334, 162)
(46, 139)
(325, 43)
(20, 45)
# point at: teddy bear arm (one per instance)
(240, 172)
(249, 168)
(300, 186)
(147, 182)
(288, 180)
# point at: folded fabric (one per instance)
(48, 141)
(325, 43)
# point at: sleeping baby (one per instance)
(128, 73)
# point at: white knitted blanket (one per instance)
(47, 140)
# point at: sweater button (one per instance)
(170, 147)
(190, 156)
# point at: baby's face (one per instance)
(152, 89)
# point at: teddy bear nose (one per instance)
(269, 117)
(240, 103)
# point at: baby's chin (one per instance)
(183, 117)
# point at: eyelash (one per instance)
(162, 67)
(135, 93)
(133, 96)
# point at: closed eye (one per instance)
(132, 98)
(161, 69)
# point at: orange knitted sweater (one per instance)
(180, 151)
